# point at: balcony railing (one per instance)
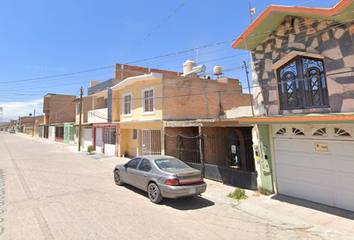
(97, 116)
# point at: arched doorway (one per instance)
(237, 151)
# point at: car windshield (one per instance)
(170, 164)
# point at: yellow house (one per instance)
(137, 108)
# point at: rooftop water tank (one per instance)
(217, 70)
(188, 66)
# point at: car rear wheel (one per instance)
(154, 193)
(117, 178)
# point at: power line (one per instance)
(60, 75)
(238, 89)
(200, 47)
(154, 30)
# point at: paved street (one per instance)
(50, 192)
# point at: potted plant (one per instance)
(90, 150)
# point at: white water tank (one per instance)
(188, 66)
(217, 70)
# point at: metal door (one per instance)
(150, 142)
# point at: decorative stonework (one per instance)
(333, 40)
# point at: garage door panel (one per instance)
(282, 144)
(345, 165)
(316, 178)
(347, 201)
(316, 193)
(346, 183)
(286, 172)
(285, 186)
(285, 159)
(344, 149)
(323, 162)
(305, 172)
(300, 146)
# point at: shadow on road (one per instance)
(315, 206)
(188, 203)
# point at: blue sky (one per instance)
(42, 39)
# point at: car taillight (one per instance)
(172, 182)
(202, 178)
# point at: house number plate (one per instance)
(321, 147)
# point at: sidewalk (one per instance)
(281, 211)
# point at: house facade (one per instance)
(164, 112)
(104, 137)
(96, 118)
(26, 124)
(303, 79)
(58, 109)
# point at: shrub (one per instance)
(90, 149)
(264, 191)
(238, 194)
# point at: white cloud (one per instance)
(12, 110)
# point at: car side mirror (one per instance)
(125, 165)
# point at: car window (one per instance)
(170, 164)
(145, 165)
(133, 163)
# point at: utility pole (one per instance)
(249, 87)
(252, 11)
(34, 121)
(79, 145)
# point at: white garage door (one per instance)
(98, 140)
(319, 170)
(51, 132)
(87, 137)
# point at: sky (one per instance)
(59, 46)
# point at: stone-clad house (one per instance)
(303, 79)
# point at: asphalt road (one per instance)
(49, 192)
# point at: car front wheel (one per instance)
(117, 178)
(154, 193)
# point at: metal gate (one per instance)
(149, 142)
(226, 157)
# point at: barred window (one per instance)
(302, 84)
(110, 135)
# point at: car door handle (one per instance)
(145, 176)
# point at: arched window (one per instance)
(302, 84)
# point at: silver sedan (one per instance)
(161, 176)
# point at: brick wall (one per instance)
(27, 120)
(61, 109)
(192, 97)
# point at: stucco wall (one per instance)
(332, 40)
